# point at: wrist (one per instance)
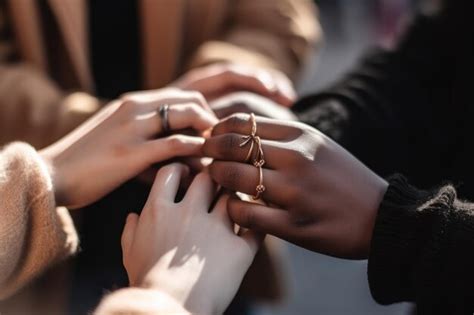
(50, 157)
(379, 189)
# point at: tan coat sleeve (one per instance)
(34, 110)
(277, 34)
(33, 232)
(32, 107)
(138, 301)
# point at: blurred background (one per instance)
(318, 284)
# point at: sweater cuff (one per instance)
(34, 233)
(395, 242)
(139, 301)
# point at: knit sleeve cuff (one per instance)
(139, 301)
(395, 242)
(34, 233)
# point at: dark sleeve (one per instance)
(423, 250)
(392, 103)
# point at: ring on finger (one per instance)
(253, 139)
(260, 187)
(163, 114)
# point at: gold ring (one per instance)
(259, 158)
(250, 138)
(260, 187)
(253, 139)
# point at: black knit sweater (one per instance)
(423, 250)
(410, 111)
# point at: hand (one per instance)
(183, 250)
(320, 197)
(247, 102)
(121, 141)
(216, 80)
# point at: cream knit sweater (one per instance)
(34, 234)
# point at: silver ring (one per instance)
(163, 113)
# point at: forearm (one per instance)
(423, 250)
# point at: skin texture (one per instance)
(123, 140)
(319, 196)
(217, 80)
(187, 250)
(248, 102)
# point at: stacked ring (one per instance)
(259, 159)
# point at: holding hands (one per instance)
(196, 257)
(124, 139)
(218, 80)
(319, 196)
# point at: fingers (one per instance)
(245, 178)
(129, 232)
(190, 116)
(259, 81)
(224, 107)
(162, 149)
(219, 79)
(167, 183)
(267, 128)
(180, 116)
(151, 100)
(253, 238)
(259, 218)
(247, 102)
(220, 211)
(229, 147)
(201, 193)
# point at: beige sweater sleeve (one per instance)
(138, 301)
(34, 233)
(277, 34)
(34, 110)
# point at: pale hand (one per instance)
(122, 140)
(220, 79)
(182, 249)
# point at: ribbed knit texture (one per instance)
(423, 250)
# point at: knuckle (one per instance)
(231, 177)
(198, 97)
(241, 214)
(247, 218)
(126, 96)
(228, 144)
(194, 109)
(175, 142)
(294, 193)
(241, 107)
(128, 105)
(297, 157)
(237, 121)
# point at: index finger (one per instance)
(270, 129)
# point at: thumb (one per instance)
(129, 232)
(253, 238)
